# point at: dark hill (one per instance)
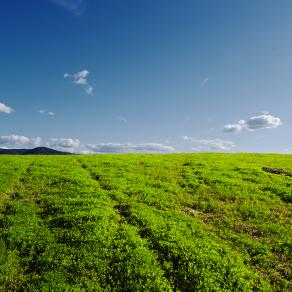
(35, 151)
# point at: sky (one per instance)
(107, 76)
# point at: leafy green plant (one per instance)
(180, 222)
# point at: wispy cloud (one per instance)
(204, 82)
(76, 7)
(42, 112)
(254, 123)
(206, 145)
(80, 78)
(5, 109)
(122, 119)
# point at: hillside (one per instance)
(179, 222)
(34, 151)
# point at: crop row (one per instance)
(145, 222)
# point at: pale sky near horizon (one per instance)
(99, 76)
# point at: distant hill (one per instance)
(35, 151)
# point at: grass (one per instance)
(180, 222)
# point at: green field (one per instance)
(178, 222)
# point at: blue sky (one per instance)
(146, 76)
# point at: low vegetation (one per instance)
(179, 222)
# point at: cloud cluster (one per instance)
(264, 121)
(129, 148)
(5, 109)
(11, 141)
(80, 78)
(206, 145)
(74, 145)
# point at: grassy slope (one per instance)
(180, 222)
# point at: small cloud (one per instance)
(187, 138)
(42, 112)
(89, 89)
(74, 6)
(215, 145)
(204, 82)
(5, 109)
(254, 123)
(64, 143)
(206, 145)
(18, 140)
(80, 78)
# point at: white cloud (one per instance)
(254, 123)
(42, 112)
(75, 146)
(129, 148)
(80, 78)
(209, 144)
(74, 6)
(64, 143)
(204, 82)
(215, 145)
(89, 89)
(17, 140)
(81, 74)
(5, 109)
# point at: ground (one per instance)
(178, 222)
